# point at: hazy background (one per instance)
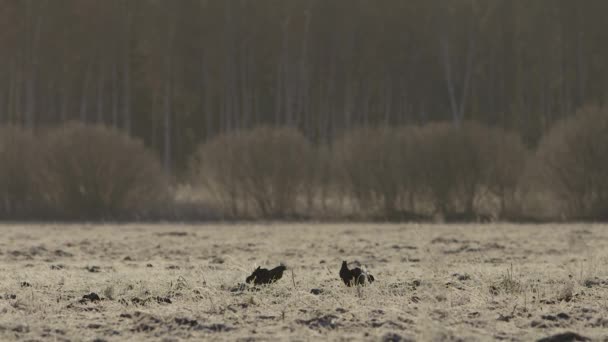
(347, 82)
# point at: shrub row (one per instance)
(382, 172)
(471, 172)
(437, 169)
(77, 172)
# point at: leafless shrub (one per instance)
(453, 166)
(98, 172)
(461, 163)
(19, 162)
(573, 163)
(261, 171)
(372, 167)
(504, 159)
(320, 186)
(215, 167)
(436, 168)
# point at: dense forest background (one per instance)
(175, 73)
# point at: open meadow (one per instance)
(178, 282)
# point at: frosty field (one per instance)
(178, 282)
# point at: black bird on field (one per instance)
(264, 276)
(356, 276)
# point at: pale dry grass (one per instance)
(474, 282)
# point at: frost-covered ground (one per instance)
(175, 282)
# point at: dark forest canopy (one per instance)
(177, 72)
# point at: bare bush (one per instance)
(19, 162)
(216, 167)
(378, 167)
(263, 171)
(453, 166)
(98, 172)
(365, 167)
(462, 163)
(573, 162)
(413, 172)
(505, 160)
(320, 186)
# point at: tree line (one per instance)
(177, 73)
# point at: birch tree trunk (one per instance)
(127, 17)
(458, 103)
(100, 94)
(84, 99)
(12, 92)
(115, 94)
(167, 106)
(33, 26)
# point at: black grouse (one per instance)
(356, 276)
(264, 276)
